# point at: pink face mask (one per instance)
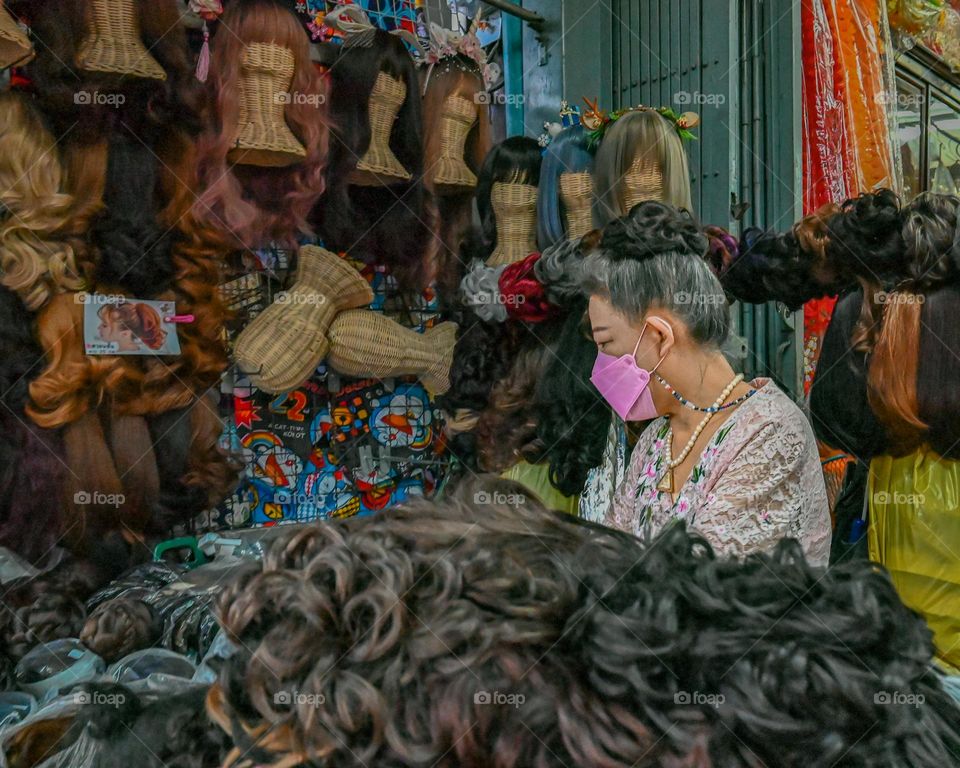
(625, 385)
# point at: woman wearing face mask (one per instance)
(736, 460)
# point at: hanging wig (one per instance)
(569, 152)
(451, 208)
(31, 459)
(865, 246)
(83, 105)
(572, 418)
(643, 134)
(938, 370)
(382, 225)
(134, 249)
(515, 160)
(931, 259)
(34, 207)
(256, 205)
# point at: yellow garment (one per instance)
(914, 532)
(536, 479)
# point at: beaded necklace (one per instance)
(666, 482)
(710, 408)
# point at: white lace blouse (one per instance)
(757, 481)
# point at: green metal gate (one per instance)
(737, 64)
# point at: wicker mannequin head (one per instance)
(507, 199)
(15, 48)
(640, 158)
(263, 136)
(515, 209)
(379, 166)
(113, 42)
(576, 194)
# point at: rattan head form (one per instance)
(15, 48)
(644, 181)
(515, 210)
(379, 166)
(576, 194)
(283, 345)
(457, 118)
(263, 137)
(113, 42)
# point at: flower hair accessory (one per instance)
(446, 45)
(598, 121)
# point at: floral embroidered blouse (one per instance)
(758, 480)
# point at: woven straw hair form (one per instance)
(379, 166)
(515, 210)
(365, 343)
(576, 193)
(263, 137)
(113, 42)
(283, 345)
(15, 47)
(456, 120)
(644, 181)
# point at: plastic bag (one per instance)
(915, 533)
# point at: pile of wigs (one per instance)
(899, 268)
(254, 206)
(386, 225)
(104, 452)
(476, 633)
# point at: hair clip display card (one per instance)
(119, 325)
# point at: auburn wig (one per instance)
(451, 209)
(254, 206)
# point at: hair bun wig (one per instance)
(651, 229)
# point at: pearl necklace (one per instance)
(666, 482)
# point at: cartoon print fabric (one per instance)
(337, 446)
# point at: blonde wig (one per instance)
(640, 135)
(35, 259)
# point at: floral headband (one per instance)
(598, 121)
(445, 46)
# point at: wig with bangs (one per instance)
(254, 206)
(381, 225)
(34, 207)
(515, 160)
(569, 152)
(644, 133)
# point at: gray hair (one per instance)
(678, 281)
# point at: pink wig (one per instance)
(256, 205)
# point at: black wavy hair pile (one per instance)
(486, 630)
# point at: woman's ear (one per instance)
(664, 334)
